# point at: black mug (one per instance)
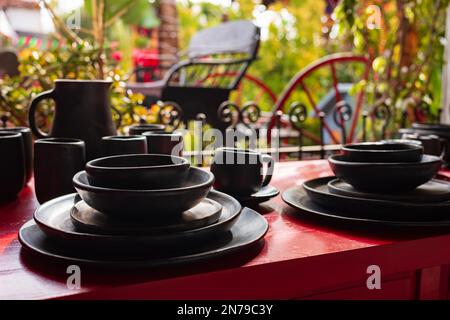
(56, 160)
(12, 164)
(28, 148)
(120, 145)
(138, 129)
(239, 171)
(170, 143)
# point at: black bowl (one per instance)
(385, 177)
(137, 171)
(382, 152)
(431, 126)
(146, 204)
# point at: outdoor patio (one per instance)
(224, 150)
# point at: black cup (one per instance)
(120, 145)
(56, 160)
(138, 129)
(170, 143)
(239, 171)
(12, 164)
(28, 148)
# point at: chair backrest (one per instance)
(234, 37)
(218, 57)
(9, 63)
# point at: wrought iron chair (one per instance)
(196, 83)
(322, 91)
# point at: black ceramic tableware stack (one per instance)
(141, 210)
(435, 138)
(384, 183)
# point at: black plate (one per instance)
(317, 190)
(432, 191)
(264, 194)
(297, 198)
(88, 219)
(54, 220)
(248, 230)
(385, 177)
(146, 204)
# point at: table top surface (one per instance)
(291, 236)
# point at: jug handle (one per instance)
(31, 113)
(119, 120)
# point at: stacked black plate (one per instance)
(140, 211)
(398, 191)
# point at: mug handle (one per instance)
(31, 113)
(270, 167)
(444, 148)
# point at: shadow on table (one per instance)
(360, 229)
(94, 275)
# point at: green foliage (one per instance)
(38, 70)
(292, 40)
(406, 49)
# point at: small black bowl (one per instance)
(382, 152)
(146, 204)
(137, 171)
(385, 177)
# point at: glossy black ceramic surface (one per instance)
(296, 197)
(55, 220)
(432, 191)
(382, 152)
(385, 177)
(55, 163)
(141, 171)
(249, 229)
(240, 172)
(28, 147)
(317, 190)
(121, 145)
(138, 129)
(87, 219)
(12, 164)
(146, 203)
(164, 142)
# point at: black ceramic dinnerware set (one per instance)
(384, 183)
(141, 210)
(16, 161)
(434, 137)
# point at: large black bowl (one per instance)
(145, 204)
(137, 171)
(382, 152)
(385, 177)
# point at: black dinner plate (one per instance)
(53, 218)
(248, 230)
(90, 220)
(317, 191)
(298, 198)
(432, 191)
(264, 194)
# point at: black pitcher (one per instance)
(82, 111)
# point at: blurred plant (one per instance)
(405, 47)
(81, 56)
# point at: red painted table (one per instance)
(300, 258)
